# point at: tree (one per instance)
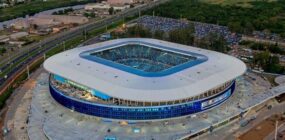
(139, 31)
(249, 28)
(54, 13)
(158, 34)
(213, 41)
(202, 43)
(2, 51)
(235, 26)
(92, 15)
(268, 62)
(182, 36)
(261, 59)
(60, 12)
(111, 10)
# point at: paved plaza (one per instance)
(50, 120)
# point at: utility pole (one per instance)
(28, 71)
(63, 43)
(85, 34)
(44, 56)
(10, 63)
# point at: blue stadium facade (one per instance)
(140, 113)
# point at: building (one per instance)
(66, 19)
(120, 7)
(3, 5)
(4, 38)
(38, 22)
(21, 24)
(97, 6)
(142, 79)
(57, 29)
(121, 2)
(103, 8)
(16, 36)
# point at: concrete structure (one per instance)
(18, 35)
(4, 38)
(105, 7)
(17, 43)
(120, 7)
(61, 123)
(122, 2)
(3, 5)
(118, 80)
(66, 19)
(43, 22)
(97, 6)
(21, 24)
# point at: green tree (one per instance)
(92, 15)
(182, 36)
(139, 31)
(2, 51)
(111, 11)
(213, 41)
(261, 59)
(260, 16)
(158, 34)
(235, 26)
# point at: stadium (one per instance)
(139, 79)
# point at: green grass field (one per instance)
(242, 3)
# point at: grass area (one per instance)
(242, 3)
(35, 7)
(36, 38)
(5, 96)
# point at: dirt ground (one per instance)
(263, 129)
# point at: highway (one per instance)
(17, 62)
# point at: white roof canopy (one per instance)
(218, 69)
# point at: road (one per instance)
(260, 40)
(52, 41)
(77, 31)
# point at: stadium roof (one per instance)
(218, 69)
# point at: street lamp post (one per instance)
(28, 71)
(63, 43)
